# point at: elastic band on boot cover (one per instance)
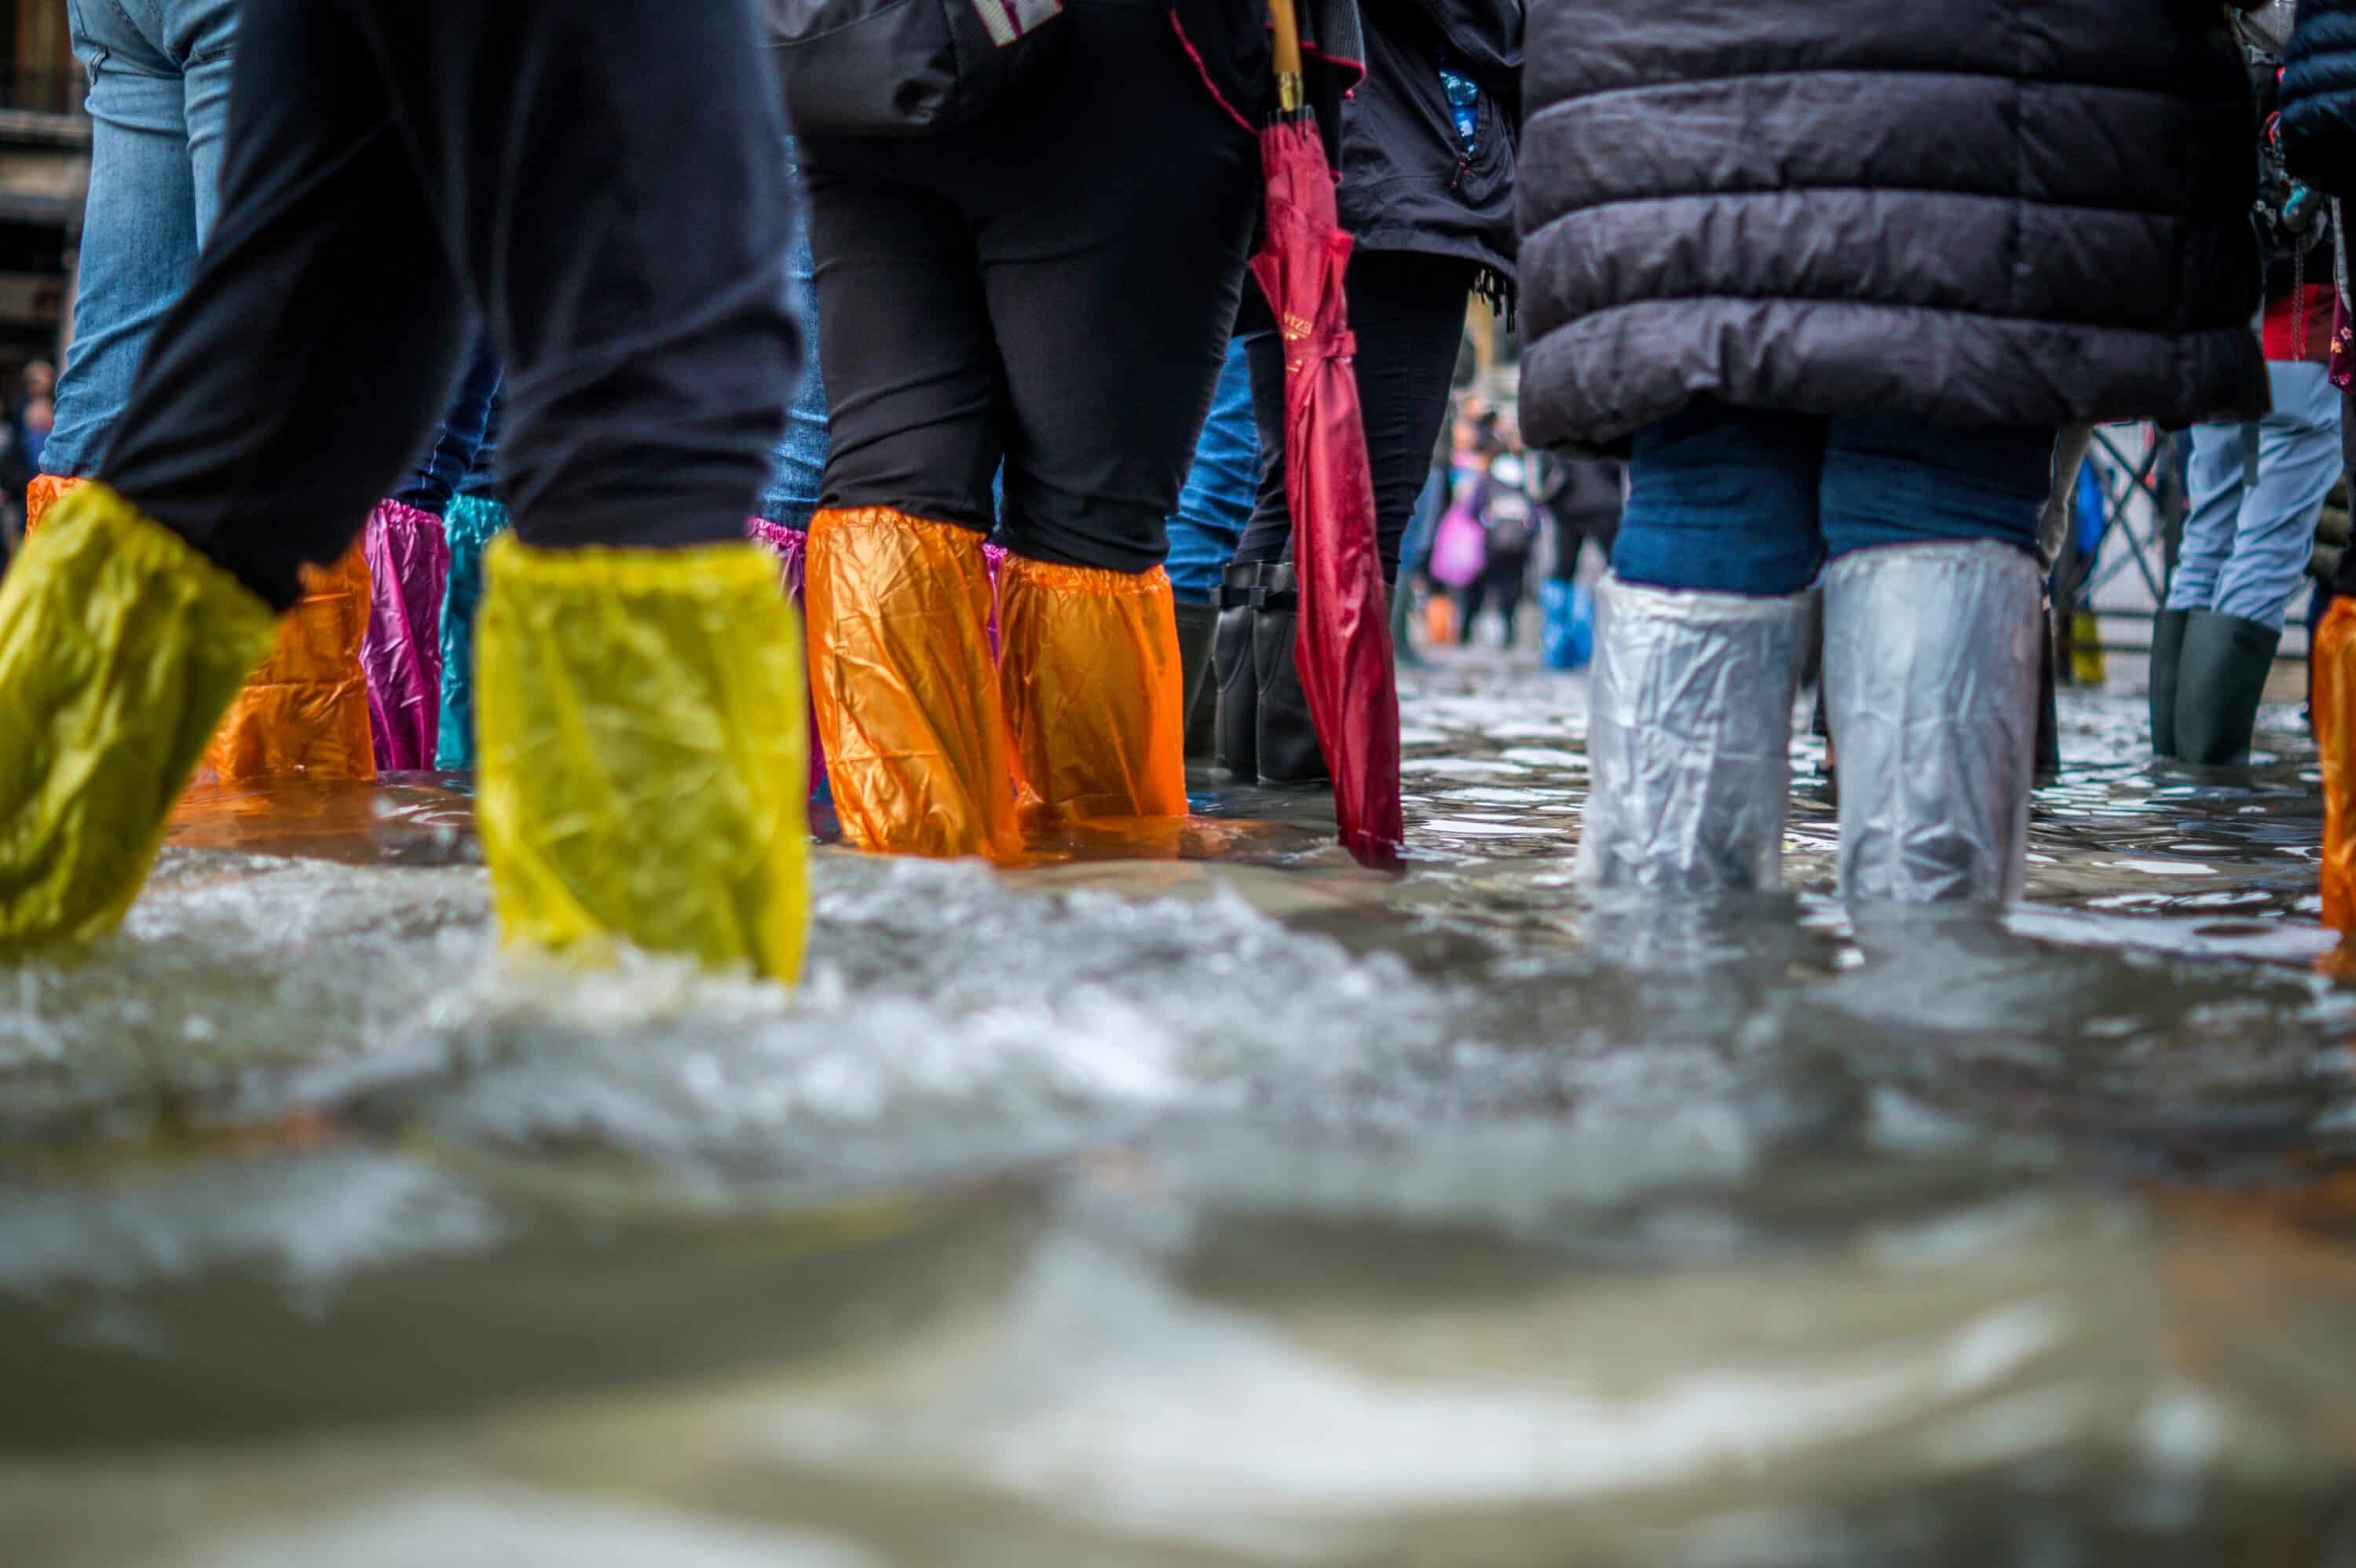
(642, 735)
(907, 695)
(1689, 738)
(468, 527)
(120, 647)
(409, 573)
(304, 714)
(791, 547)
(42, 496)
(2335, 735)
(1931, 663)
(1095, 694)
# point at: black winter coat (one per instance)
(1406, 182)
(1977, 212)
(2318, 97)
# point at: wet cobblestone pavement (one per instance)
(1205, 1200)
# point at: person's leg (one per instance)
(1700, 635)
(409, 560)
(2215, 478)
(1723, 501)
(1510, 576)
(1222, 485)
(900, 597)
(1214, 508)
(139, 230)
(798, 462)
(1933, 652)
(1125, 182)
(2274, 533)
(2229, 646)
(640, 697)
(1407, 313)
(245, 437)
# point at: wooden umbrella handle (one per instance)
(1287, 22)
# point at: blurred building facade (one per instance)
(44, 170)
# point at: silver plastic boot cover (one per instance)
(1932, 659)
(1689, 739)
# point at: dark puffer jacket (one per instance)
(1977, 212)
(2318, 97)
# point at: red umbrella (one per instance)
(1344, 641)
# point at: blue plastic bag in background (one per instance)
(1566, 638)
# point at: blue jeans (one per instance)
(798, 466)
(158, 74)
(1727, 500)
(1221, 486)
(459, 447)
(2246, 547)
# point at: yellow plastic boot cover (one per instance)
(907, 693)
(304, 714)
(642, 753)
(2335, 733)
(119, 648)
(1094, 691)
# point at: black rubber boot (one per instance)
(1290, 756)
(1198, 625)
(1235, 700)
(2220, 681)
(2166, 657)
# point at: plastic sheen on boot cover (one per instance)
(2334, 655)
(468, 527)
(916, 743)
(1235, 717)
(1094, 692)
(409, 571)
(642, 739)
(2166, 657)
(1689, 739)
(304, 714)
(2220, 682)
(1932, 663)
(120, 645)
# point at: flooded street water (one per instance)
(1223, 1205)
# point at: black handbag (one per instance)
(905, 68)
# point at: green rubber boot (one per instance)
(2166, 657)
(2220, 681)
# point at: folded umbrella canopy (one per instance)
(1343, 642)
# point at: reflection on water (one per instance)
(1202, 1200)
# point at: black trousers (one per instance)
(1049, 289)
(600, 187)
(1407, 311)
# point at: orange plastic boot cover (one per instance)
(1094, 691)
(906, 695)
(2335, 733)
(44, 493)
(306, 711)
